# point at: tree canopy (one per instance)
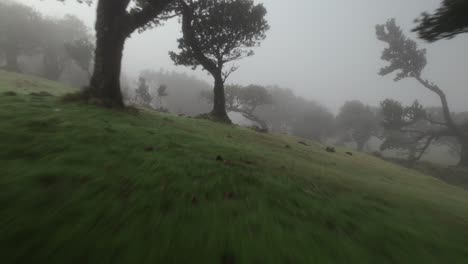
(448, 21)
(20, 29)
(358, 122)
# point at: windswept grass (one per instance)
(83, 184)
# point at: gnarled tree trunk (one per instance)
(219, 101)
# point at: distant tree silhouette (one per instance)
(216, 33)
(81, 51)
(408, 61)
(55, 34)
(19, 33)
(358, 123)
(142, 93)
(244, 100)
(162, 92)
(313, 121)
(406, 129)
(446, 22)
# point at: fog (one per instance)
(323, 50)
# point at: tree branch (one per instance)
(192, 42)
(148, 13)
(446, 110)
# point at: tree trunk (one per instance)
(360, 145)
(110, 41)
(464, 154)
(53, 66)
(12, 60)
(219, 103)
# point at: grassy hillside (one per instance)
(82, 184)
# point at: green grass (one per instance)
(83, 184)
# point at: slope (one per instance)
(83, 184)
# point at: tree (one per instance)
(409, 61)
(314, 122)
(81, 52)
(447, 22)
(116, 20)
(184, 95)
(406, 129)
(358, 122)
(142, 93)
(244, 100)
(19, 33)
(216, 33)
(55, 34)
(162, 92)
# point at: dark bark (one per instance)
(110, 41)
(455, 129)
(113, 26)
(105, 81)
(219, 101)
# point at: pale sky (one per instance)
(324, 50)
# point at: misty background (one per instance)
(322, 50)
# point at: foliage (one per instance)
(220, 32)
(19, 32)
(184, 95)
(402, 53)
(143, 95)
(162, 90)
(244, 100)
(358, 122)
(216, 33)
(408, 61)
(314, 122)
(407, 129)
(450, 20)
(81, 51)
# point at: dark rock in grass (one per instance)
(303, 143)
(330, 224)
(194, 200)
(9, 93)
(287, 146)
(149, 149)
(260, 129)
(349, 153)
(330, 150)
(228, 195)
(248, 162)
(219, 158)
(40, 94)
(228, 258)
